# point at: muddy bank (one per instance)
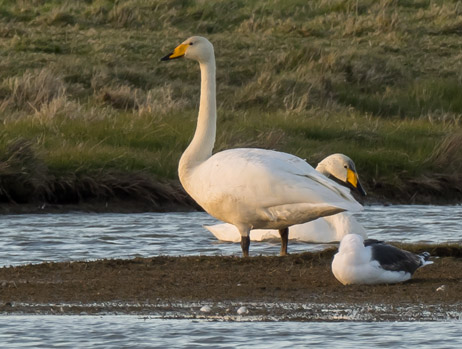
(298, 286)
(98, 206)
(115, 205)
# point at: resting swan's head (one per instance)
(196, 48)
(341, 168)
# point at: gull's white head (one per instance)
(351, 243)
(343, 169)
(197, 48)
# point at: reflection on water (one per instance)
(137, 332)
(83, 236)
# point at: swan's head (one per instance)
(196, 48)
(351, 243)
(342, 169)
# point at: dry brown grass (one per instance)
(154, 101)
(444, 180)
(447, 156)
(22, 173)
(305, 77)
(24, 178)
(106, 186)
(32, 90)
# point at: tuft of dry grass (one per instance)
(24, 178)
(447, 156)
(122, 97)
(32, 90)
(155, 101)
(104, 186)
(23, 174)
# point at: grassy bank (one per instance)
(89, 113)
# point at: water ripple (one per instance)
(137, 332)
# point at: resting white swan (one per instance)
(322, 230)
(360, 261)
(250, 188)
(325, 229)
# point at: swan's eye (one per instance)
(345, 166)
(191, 43)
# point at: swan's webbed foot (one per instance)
(284, 240)
(245, 243)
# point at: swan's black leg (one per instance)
(245, 243)
(284, 240)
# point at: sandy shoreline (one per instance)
(296, 287)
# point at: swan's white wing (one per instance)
(261, 186)
(317, 231)
(224, 232)
(228, 232)
(283, 178)
(314, 231)
(321, 230)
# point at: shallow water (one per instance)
(137, 332)
(34, 238)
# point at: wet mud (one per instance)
(295, 287)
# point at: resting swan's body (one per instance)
(325, 229)
(322, 230)
(250, 188)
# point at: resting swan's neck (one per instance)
(201, 146)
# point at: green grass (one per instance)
(380, 81)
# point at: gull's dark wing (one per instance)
(394, 259)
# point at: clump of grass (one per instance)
(159, 100)
(105, 186)
(440, 175)
(124, 15)
(25, 178)
(447, 156)
(60, 15)
(22, 173)
(32, 90)
(122, 97)
(60, 107)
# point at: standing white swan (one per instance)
(325, 229)
(250, 188)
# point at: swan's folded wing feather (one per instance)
(266, 178)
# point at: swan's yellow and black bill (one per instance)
(178, 52)
(353, 180)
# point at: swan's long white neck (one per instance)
(201, 146)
